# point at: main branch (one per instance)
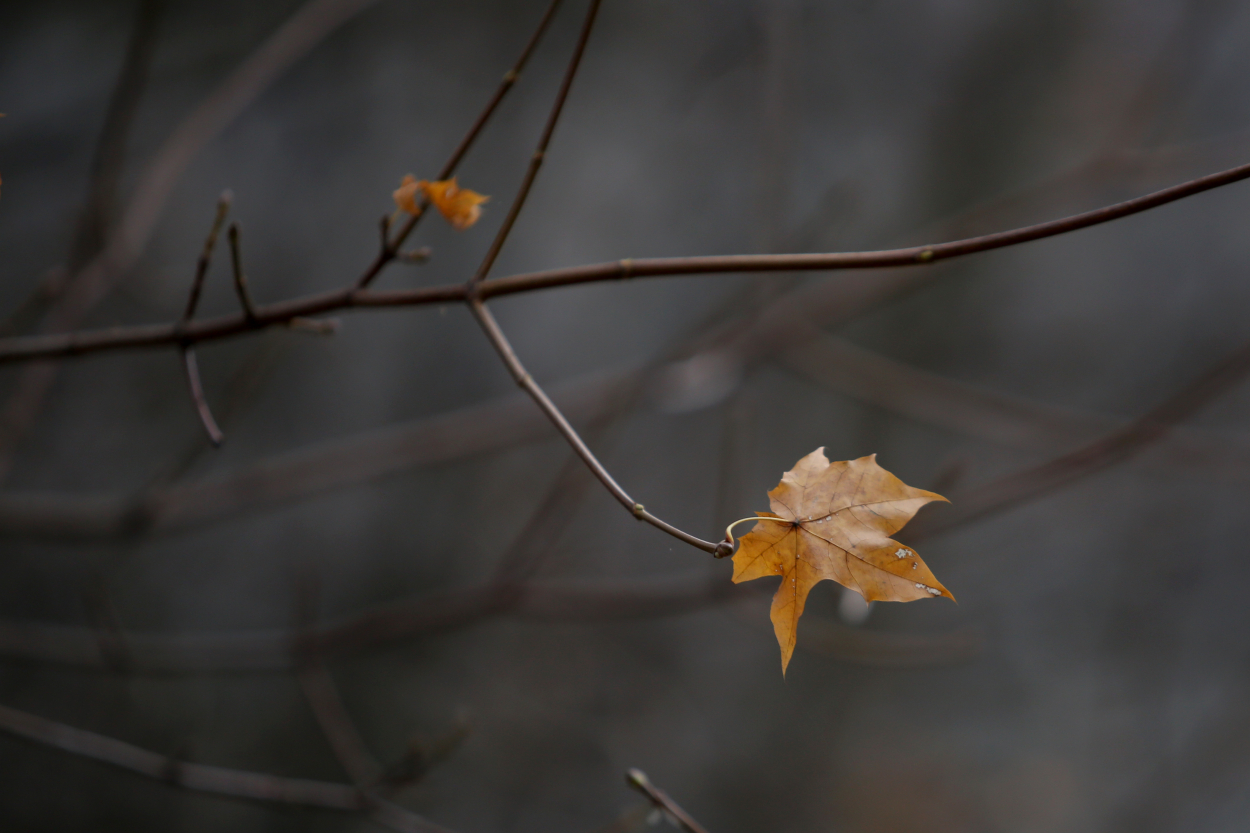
(28, 348)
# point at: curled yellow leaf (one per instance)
(460, 206)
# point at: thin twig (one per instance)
(190, 365)
(80, 292)
(206, 255)
(110, 151)
(27, 348)
(527, 383)
(638, 779)
(240, 279)
(540, 152)
(390, 247)
(215, 780)
(192, 369)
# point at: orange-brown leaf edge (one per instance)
(834, 521)
(406, 194)
(460, 206)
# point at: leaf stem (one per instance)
(729, 529)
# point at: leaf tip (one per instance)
(405, 195)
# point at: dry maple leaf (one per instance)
(460, 206)
(834, 521)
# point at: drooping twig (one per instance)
(215, 780)
(540, 152)
(390, 247)
(155, 335)
(638, 779)
(192, 370)
(527, 383)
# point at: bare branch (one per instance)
(390, 248)
(527, 383)
(638, 779)
(910, 256)
(240, 279)
(192, 368)
(1121, 444)
(110, 150)
(80, 292)
(215, 780)
(156, 335)
(540, 152)
(206, 255)
(984, 414)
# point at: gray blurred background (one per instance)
(1093, 675)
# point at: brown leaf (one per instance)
(834, 521)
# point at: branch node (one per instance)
(924, 256)
(627, 268)
(639, 510)
(420, 255)
(511, 76)
(659, 799)
(314, 326)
